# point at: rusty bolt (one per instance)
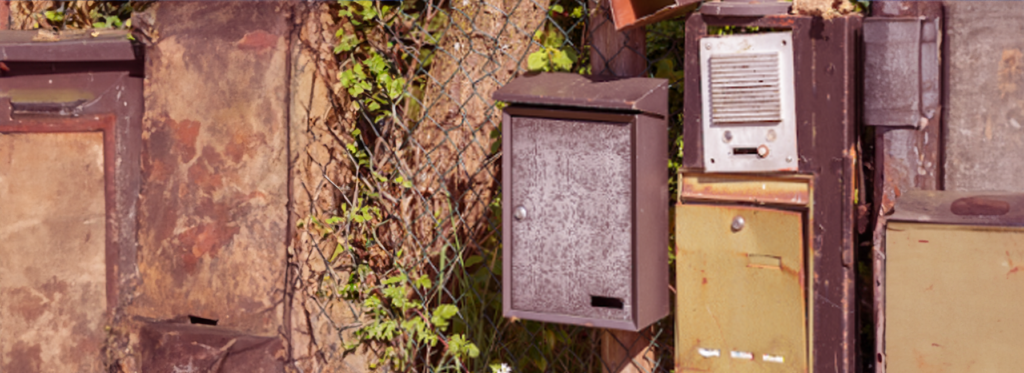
(738, 223)
(762, 151)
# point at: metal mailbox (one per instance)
(70, 139)
(585, 200)
(952, 287)
(765, 225)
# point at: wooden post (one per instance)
(621, 54)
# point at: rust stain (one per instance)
(1010, 71)
(204, 239)
(205, 173)
(243, 144)
(922, 241)
(185, 134)
(936, 345)
(259, 40)
(704, 281)
(22, 302)
(752, 189)
(24, 358)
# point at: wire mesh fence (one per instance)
(398, 266)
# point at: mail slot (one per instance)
(952, 283)
(585, 200)
(765, 226)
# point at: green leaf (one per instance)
(472, 261)
(538, 61)
(337, 251)
(577, 12)
(447, 310)
(472, 350)
(54, 16)
(394, 279)
(561, 60)
(423, 282)
(557, 9)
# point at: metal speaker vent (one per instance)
(748, 103)
(745, 88)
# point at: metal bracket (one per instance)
(902, 77)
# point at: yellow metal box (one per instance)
(953, 289)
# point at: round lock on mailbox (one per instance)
(520, 212)
(738, 223)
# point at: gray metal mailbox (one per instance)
(585, 200)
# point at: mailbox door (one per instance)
(572, 225)
(953, 298)
(740, 288)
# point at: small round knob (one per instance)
(520, 213)
(762, 151)
(738, 223)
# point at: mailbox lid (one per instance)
(970, 208)
(78, 46)
(643, 95)
(740, 292)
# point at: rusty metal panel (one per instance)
(740, 290)
(953, 298)
(758, 189)
(53, 273)
(581, 91)
(174, 347)
(632, 14)
(892, 53)
(213, 222)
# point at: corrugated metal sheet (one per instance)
(745, 88)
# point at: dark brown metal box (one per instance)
(950, 289)
(585, 200)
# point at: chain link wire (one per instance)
(399, 260)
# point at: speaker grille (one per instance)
(745, 88)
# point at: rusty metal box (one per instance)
(952, 291)
(585, 200)
(740, 271)
(764, 266)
